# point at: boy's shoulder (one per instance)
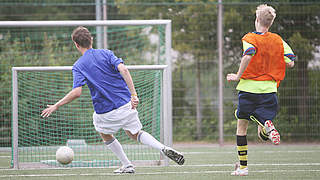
(275, 34)
(249, 35)
(76, 64)
(255, 36)
(106, 51)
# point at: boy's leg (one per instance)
(109, 123)
(133, 128)
(147, 139)
(242, 148)
(246, 105)
(267, 131)
(114, 145)
(262, 133)
(263, 116)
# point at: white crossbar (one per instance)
(82, 23)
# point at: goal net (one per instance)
(37, 138)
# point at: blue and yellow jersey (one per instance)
(253, 86)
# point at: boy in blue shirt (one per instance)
(114, 98)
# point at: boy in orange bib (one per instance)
(261, 70)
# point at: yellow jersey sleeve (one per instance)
(288, 53)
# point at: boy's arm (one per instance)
(128, 79)
(243, 65)
(72, 95)
(248, 52)
(289, 56)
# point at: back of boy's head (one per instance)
(265, 14)
(82, 37)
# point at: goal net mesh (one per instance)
(71, 125)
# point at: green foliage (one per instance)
(45, 10)
(302, 46)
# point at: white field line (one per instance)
(225, 152)
(273, 164)
(154, 173)
(231, 152)
(191, 165)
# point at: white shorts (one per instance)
(124, 117)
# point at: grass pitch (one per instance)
(294, 162)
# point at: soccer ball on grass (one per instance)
(64, 155)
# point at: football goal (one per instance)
(41, 75)
(36, 139)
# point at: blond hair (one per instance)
(265, 14)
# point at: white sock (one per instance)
(147, 139)
(116, 148)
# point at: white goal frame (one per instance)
(165, 123)
(166, 130)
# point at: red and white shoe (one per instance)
(274, 136)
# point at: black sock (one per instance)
(242, 147)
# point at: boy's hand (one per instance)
(50, 109)
(290, 64)
(134, 101)
(233, 77)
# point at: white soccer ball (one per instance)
(64, 155)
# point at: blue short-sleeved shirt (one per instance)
(98, 69)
